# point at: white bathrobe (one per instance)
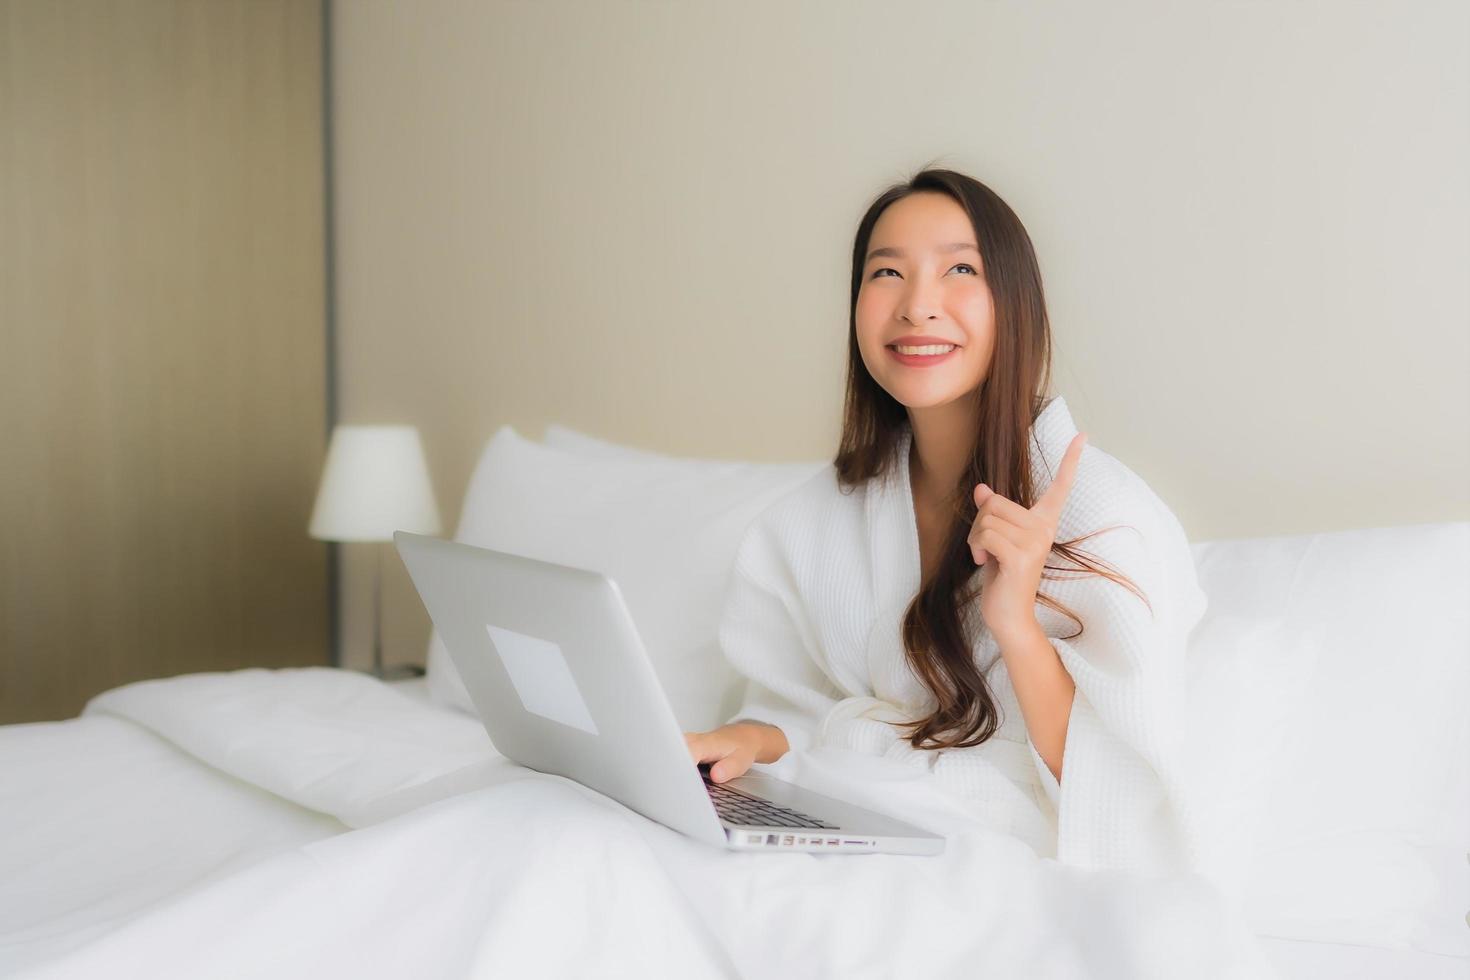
(812, 619)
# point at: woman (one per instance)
(925, 599)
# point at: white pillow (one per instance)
(561, 437)
(665, 529)
(443, 682)
(1237, 724)
(1365, 811)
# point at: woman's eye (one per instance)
(961, 265)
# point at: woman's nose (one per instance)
(920, 304)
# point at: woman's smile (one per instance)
(931, 356)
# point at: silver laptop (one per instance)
(563, 685)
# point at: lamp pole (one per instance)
(397, 671)
(378, 609)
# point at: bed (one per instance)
(316, 821)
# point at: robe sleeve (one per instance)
(1123, 799)
(765, 636)
(1043, 772)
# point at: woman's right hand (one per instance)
(735, 747)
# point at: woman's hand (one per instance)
(1013, 543)
(733, 748)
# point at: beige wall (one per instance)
(635, 219)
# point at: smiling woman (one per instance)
(969, 374)
(925, 598)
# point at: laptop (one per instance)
(562, 683)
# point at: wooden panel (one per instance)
(162, 343)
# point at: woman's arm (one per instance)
(1044, 689)
(1013, 543)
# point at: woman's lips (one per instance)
(922, 360)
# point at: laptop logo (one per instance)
(542, 678)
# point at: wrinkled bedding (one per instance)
(101, 819)
(452, 861)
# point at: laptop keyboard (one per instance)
(742, 808)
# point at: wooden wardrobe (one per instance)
(163, 343)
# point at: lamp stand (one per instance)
(398, 671)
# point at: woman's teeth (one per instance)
(930, 349)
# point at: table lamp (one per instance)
(375, 482)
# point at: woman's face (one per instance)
(930, 283)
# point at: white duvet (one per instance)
(460, 863)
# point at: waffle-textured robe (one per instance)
(812, 619)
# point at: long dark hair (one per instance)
(1010, 398)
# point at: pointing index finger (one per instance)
(1056, 495)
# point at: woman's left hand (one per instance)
(1013, 543)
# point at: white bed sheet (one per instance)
(416, 688)
(112, 838)
(101, 820)
(1295, 959)
(1304, 960)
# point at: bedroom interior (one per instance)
(574, 274)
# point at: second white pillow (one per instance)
(665, 529)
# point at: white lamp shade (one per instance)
(375, 482)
